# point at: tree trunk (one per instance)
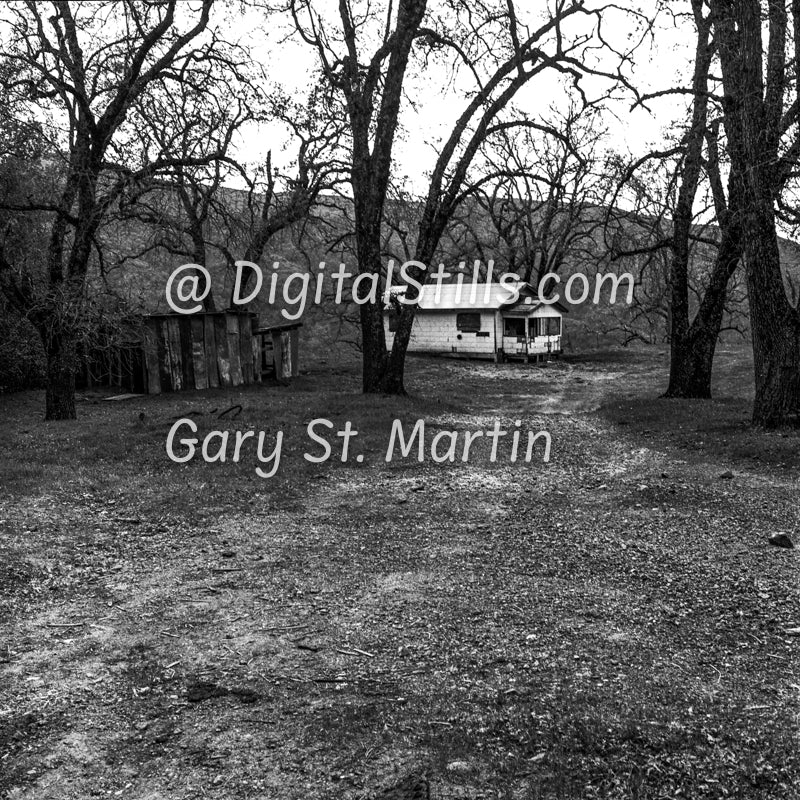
(394, 376)
(692, 349)
(691, 363)
(393, 380)
(775, 326)
(373, 349)
(758, 111)
(373, 337)
(62, 365)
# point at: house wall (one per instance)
(436, 332)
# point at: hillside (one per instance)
(137, 269)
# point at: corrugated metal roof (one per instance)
(468, 296)
(475, 296)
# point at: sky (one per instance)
(290, 63)
(660, 63)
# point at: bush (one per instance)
(22, 361)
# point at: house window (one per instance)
(514, 327)
(394, 320)
(545, 326)
(468, 322)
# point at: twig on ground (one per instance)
(355, 652)
(65, 624)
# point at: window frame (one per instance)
(553, 322)
(473, 327)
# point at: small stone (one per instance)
(781, 539)
(459, 767)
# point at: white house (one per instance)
(481, 321)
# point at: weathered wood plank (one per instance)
(210, 346)
(210, 349)
(164, 357)
(294, 337)
(234, 344)
(151, 363)
(187, 352)
(256, 342)
(286, 355)
(199, 353)
(277, 352)
(175, 360)
(223, 352)
(246, 348)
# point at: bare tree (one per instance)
(185, 209)
(196, 212)
(693, 166)
(761, 109)
(85, 67)
(546, 201)
(365, 54)
(277, 200)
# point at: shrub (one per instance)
(22, 361)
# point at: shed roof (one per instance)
(284, 326)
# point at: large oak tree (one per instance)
(87, 69)
(761, 112)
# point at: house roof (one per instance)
(529, 300)
(477, 296)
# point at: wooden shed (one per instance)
(279, 347)
(200, 351)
